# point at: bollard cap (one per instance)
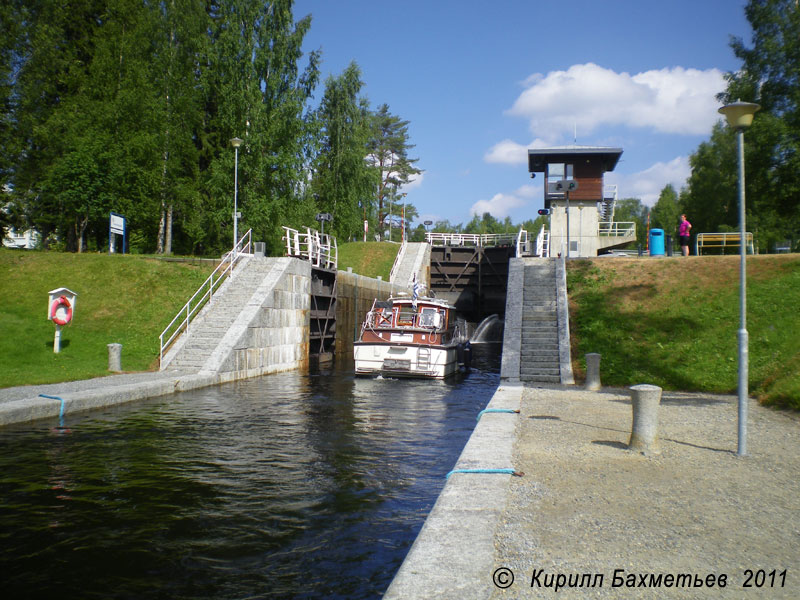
(645, 387)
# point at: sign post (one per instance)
(116, 227)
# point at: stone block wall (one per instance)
(274, 327)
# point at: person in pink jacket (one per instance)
(684, 232)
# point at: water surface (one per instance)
(293, 485)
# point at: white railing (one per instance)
(522, 242)
(320, 249)
(397, 260)
(180, 322)
(616, 229)
(471, 239)
(543, 243)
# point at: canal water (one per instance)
(295, 485)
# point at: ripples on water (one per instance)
(288, 486)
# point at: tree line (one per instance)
(130, 105)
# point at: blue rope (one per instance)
(501, 471)
(495, 410)
(61, 411)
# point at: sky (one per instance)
(480, 83)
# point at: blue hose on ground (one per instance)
(496, 410)
(500, 471)
(61, 411)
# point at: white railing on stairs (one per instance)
(180, 323)
(318, 248)
(401, 253)
(543, 243)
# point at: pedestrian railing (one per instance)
(320, 249)
(180, 323)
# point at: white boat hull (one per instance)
(436, 362)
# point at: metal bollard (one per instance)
(115, 357)
(592, 371)
(644, 433)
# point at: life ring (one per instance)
(58, 303)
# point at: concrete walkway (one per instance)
(25, 403)
(588, 509)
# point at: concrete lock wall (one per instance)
(355, 295)
(276, 336)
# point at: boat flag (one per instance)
(415, 293)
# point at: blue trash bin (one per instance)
(656, 242)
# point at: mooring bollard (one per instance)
(115, 357)
(644, 432)
(592, 371)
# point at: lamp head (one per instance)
(236, 142)
(739, 114)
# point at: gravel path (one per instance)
(588, 505)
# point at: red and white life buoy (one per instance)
(61, 311)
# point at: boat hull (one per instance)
(397, 360)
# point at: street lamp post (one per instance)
(236, 142)
(740, 116)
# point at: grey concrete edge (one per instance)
(453, 555)
(512, 329)
(37, 407)
(564, 349)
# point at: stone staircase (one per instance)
(415, 260)
(208, 329)
(539, 349)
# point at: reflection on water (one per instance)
(292, 485)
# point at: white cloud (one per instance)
(501, 205)
(677, 100)
(509, 152)
(647, 185)
(414, 181)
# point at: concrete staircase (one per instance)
(416, 259)
(207, 331)
(539, 348)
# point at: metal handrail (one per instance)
(543, 243)
(189, 310)
(321, 249)
(398, 259)
(616, 229)
(522, 242)
(470, 239)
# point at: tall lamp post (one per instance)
(740, 116)
(235, 142)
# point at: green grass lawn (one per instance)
(121, 298)
(673, 323)
(368, 258)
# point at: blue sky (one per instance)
(481, 82)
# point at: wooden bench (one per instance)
(723, 240)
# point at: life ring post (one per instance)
(60, 310)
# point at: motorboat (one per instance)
(411, 337)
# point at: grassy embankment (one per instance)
(674, 322)
(368, 258)
(123, 299)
